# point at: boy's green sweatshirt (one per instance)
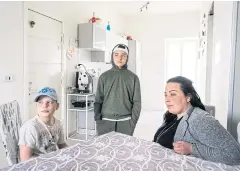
(118, 95)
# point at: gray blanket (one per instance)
(118, 152)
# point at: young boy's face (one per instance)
(46, 106)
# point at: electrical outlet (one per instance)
(8, 78)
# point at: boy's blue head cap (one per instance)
(47, 91)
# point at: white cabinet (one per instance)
(134, 60)
(91, 37)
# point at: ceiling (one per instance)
(154, 7)
(123, 8)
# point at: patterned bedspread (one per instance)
(117, 152)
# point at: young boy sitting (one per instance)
(43, 133)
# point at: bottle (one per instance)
(108, 26)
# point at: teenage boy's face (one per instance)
(120, 58)
(46, 106)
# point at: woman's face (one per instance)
(175, 100)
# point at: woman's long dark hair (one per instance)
(188, 90)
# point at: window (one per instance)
(181, 56)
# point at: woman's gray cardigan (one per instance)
(209, 139)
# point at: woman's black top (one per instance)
(165, 134)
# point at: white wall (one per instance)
(222, 31)
(222, 54)
(151, 32)
(11, 57)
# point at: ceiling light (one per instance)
(145, 5)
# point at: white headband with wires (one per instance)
(120, 49)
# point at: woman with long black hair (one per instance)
(188, 129)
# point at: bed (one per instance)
(117, 152)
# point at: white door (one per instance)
(44, 58)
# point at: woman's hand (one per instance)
(182, 147)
